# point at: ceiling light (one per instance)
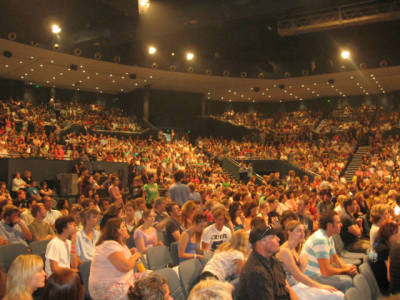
(152, 50)
(55, 28)
(345, 54)
(189, 56)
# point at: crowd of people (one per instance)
(275, 238)
(29, 130)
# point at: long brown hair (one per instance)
(110, 232)
(292, 225)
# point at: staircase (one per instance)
(355, 162)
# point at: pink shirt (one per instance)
(102, 270)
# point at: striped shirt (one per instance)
(318, 245)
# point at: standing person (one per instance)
(263, 277)
(304, 287)
(324, 265)
(60, 251)
(229, 258)
(189, 242)
(179, 192)
(150, 190)
(216, 233)
(87, 237)
(114, 190)
(111, 271)
(24, 276)
(387, 235)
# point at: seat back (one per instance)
(174, 284)
(174, 253)
(84, 271)
(206, 257)
(361, 284)
(162, 236)
(339, 245)
(366, 270)
(189, 273)
(9, 252)
(353, 294)
(39, 248)
(158, 257)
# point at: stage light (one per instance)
(345, 54)
(55, 28)
(152, 50)
(189, 55)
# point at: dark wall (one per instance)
(49, 169)
(388, 102)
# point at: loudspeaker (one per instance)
(68, 183)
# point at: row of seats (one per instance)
(189, 272)
(9, 252)
(348, 257)
(365, 286)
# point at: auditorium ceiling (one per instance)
(239, 54)
(36, 66)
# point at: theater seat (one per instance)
(158, 257)
(84, 271)
(189, 273)
(174, 283)
(361, 284)
(39, 248)
(349, 257)
(9, 252)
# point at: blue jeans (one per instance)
(341, 282)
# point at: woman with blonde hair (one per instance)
(25, 275)
(229, 258)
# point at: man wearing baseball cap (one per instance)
(263, 277)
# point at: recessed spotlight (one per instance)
(97, 73)
(314, 83)
(52, 61)
(22, 77)
(41, 65)
(20, 61)
(111, 75)
(136, 84)
(32, 70)
(152, 50)
(351, 77)
(88, 77)
(302, 85)
(61, 74)
(97, 87)
(55, 28)
(122, 90)
(229, 91)
(31, 57)
(6, 66)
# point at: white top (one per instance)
(102, 270)
(372, 234)
(52, 216)
(214, 237)
(223, 265)
(58, 251)
(17, 183)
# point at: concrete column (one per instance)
(146, 104)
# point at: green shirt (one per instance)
(151, 191)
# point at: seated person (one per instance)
(216, 233)
(40, 229)
(304, 287)
(189, 243)
(87, 237)
(324, 265)
(352, 228)
(61, 251)
(229, 258)
(173, 227)
(12, 228)
(52, 214)
(394, 268)
(146, 235)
